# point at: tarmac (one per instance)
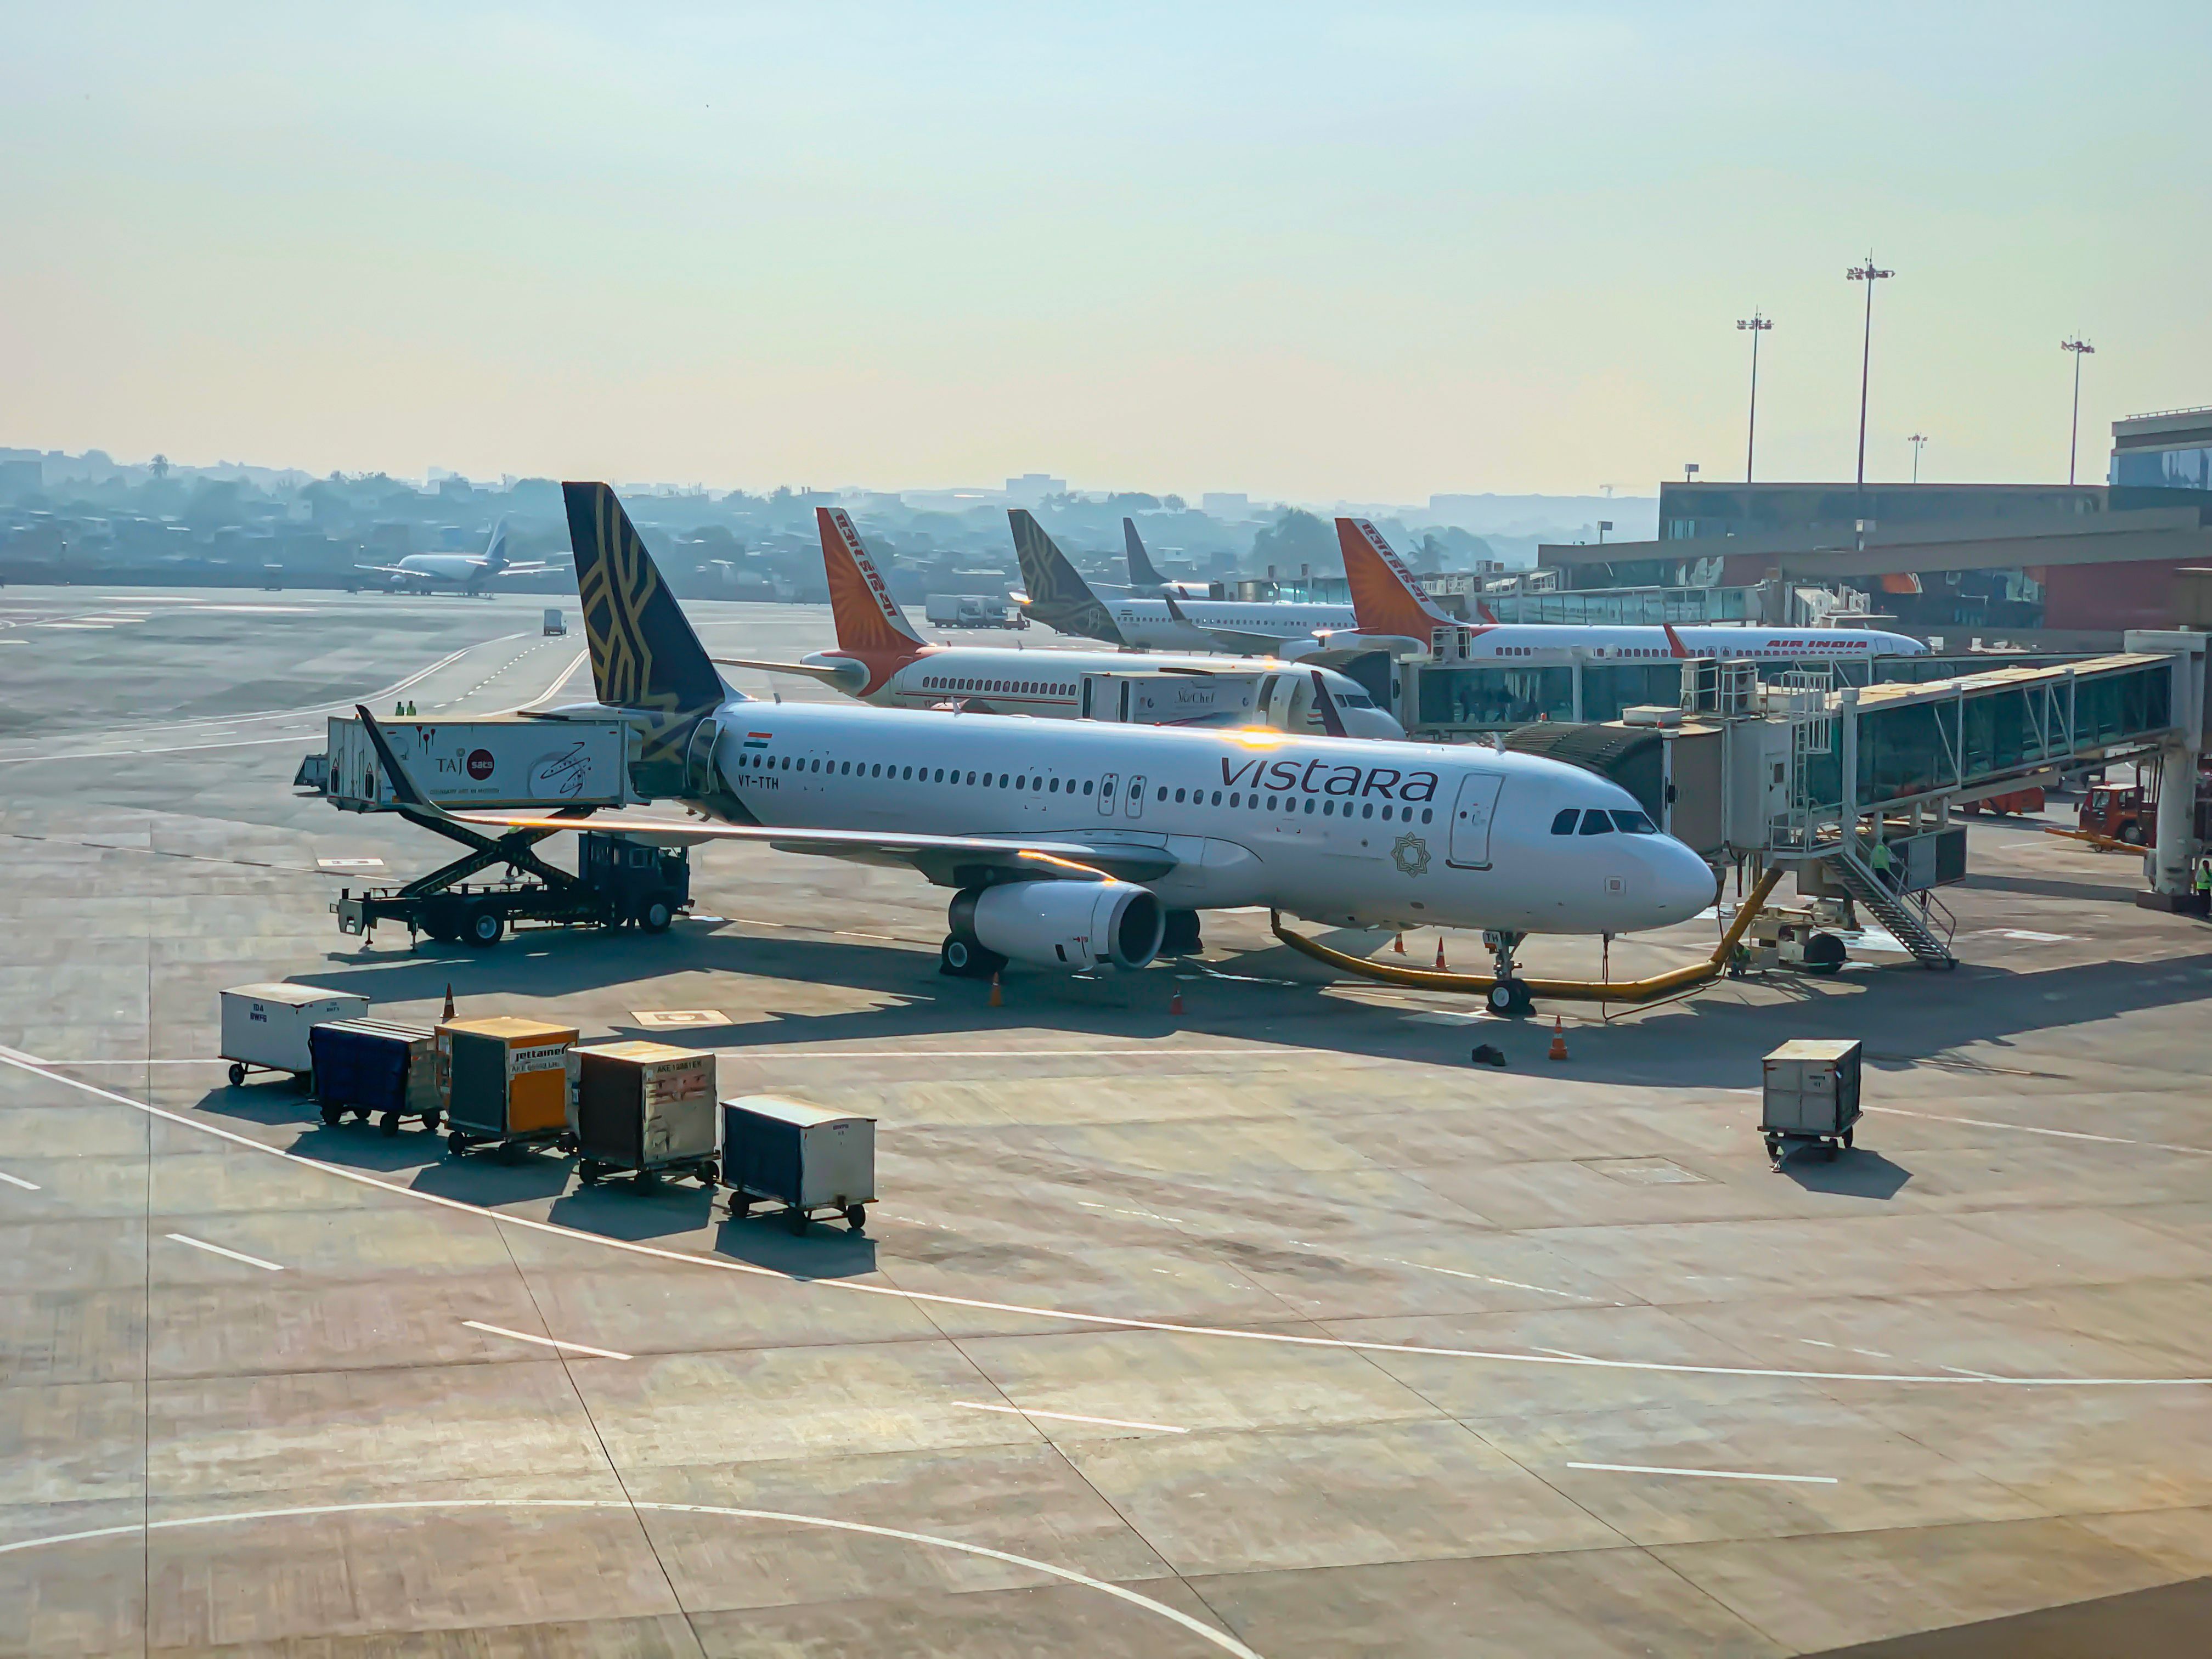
(1273, 1328)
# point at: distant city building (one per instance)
(1225, 504)
(1032, 488)
(2170, 449)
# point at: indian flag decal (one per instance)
(757, 739)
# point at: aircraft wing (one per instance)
(940, 858)
(537, 568)
(392, 571)
(1233, 640)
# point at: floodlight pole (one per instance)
(2080, 349)
(1916, 441)
(1868, 273)
(1757, 326)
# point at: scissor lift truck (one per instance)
(618, 882)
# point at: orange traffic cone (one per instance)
(1440, 953)
(449, 1002)
(1558, 1039)
(1174, 1003)
(1399, 945)
(998, 1000)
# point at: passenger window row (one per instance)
(1601, 821)
(1011, 687)
(1327, 806)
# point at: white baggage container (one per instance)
(264, 1027)
(1811, 1094)
(487, 764)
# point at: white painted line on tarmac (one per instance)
(1492, 1279)
(1071, 1417)
(546, 1342)
(18, 1181)
(1960, 1371)
(1564, 1354)
(23, 1058)
(1709, 1474)
(2037, 1129)
(1220, 1639)
(1073, 1316)
(848, 933)
(235, 1255)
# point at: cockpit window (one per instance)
(1564, 824)
(1596, 824)
(1634, 823)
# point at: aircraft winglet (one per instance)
(404, 789)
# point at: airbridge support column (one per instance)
(2177, 820)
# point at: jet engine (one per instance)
(1064, 926)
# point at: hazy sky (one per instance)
(1309, 252)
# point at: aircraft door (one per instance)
(1137, 797)
(1105, 784)
(1472, 816)
(699, 779)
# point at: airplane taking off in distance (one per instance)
(1055, 594)
(465, 573)
(881, 659)
(1075, 844)
(1389, 601)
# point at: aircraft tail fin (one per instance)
(868, 618)
(1057, 595)
(1675, 641)
(1385, 598)
(495, 558)
(1141, 571)
(644, 654)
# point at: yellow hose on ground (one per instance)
(1573, 990)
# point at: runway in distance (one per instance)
(882, 659)
(1074, 844)
(466, 573)
(1388, 601)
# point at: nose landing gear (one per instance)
(1509, 998)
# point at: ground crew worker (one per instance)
(1883, 862)
(2204, 880)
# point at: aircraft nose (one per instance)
(1681, 884)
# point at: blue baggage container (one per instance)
(375, 1068)
(804, 1157)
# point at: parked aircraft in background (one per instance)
(1145, 581)
(1079, 844)
(1055, 594)
(882, 659)
(467, 573)
(1388, 601)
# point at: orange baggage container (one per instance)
(504, 1078)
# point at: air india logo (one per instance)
(1411, 855)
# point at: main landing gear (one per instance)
(961, 957)
(1509, 998)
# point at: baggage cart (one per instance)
(376, 1068)
(807, 1157)
(503, 1081)
(642, 1109)
(1811, 1097)
(264, 1027)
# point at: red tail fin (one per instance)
(1483, 613)
(1385, 598)
(1675, 641)
(868, 618)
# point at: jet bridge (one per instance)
(1808, 775)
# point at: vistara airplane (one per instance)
(881, 659)
(1070, 845)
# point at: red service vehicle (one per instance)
(2013, 800)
